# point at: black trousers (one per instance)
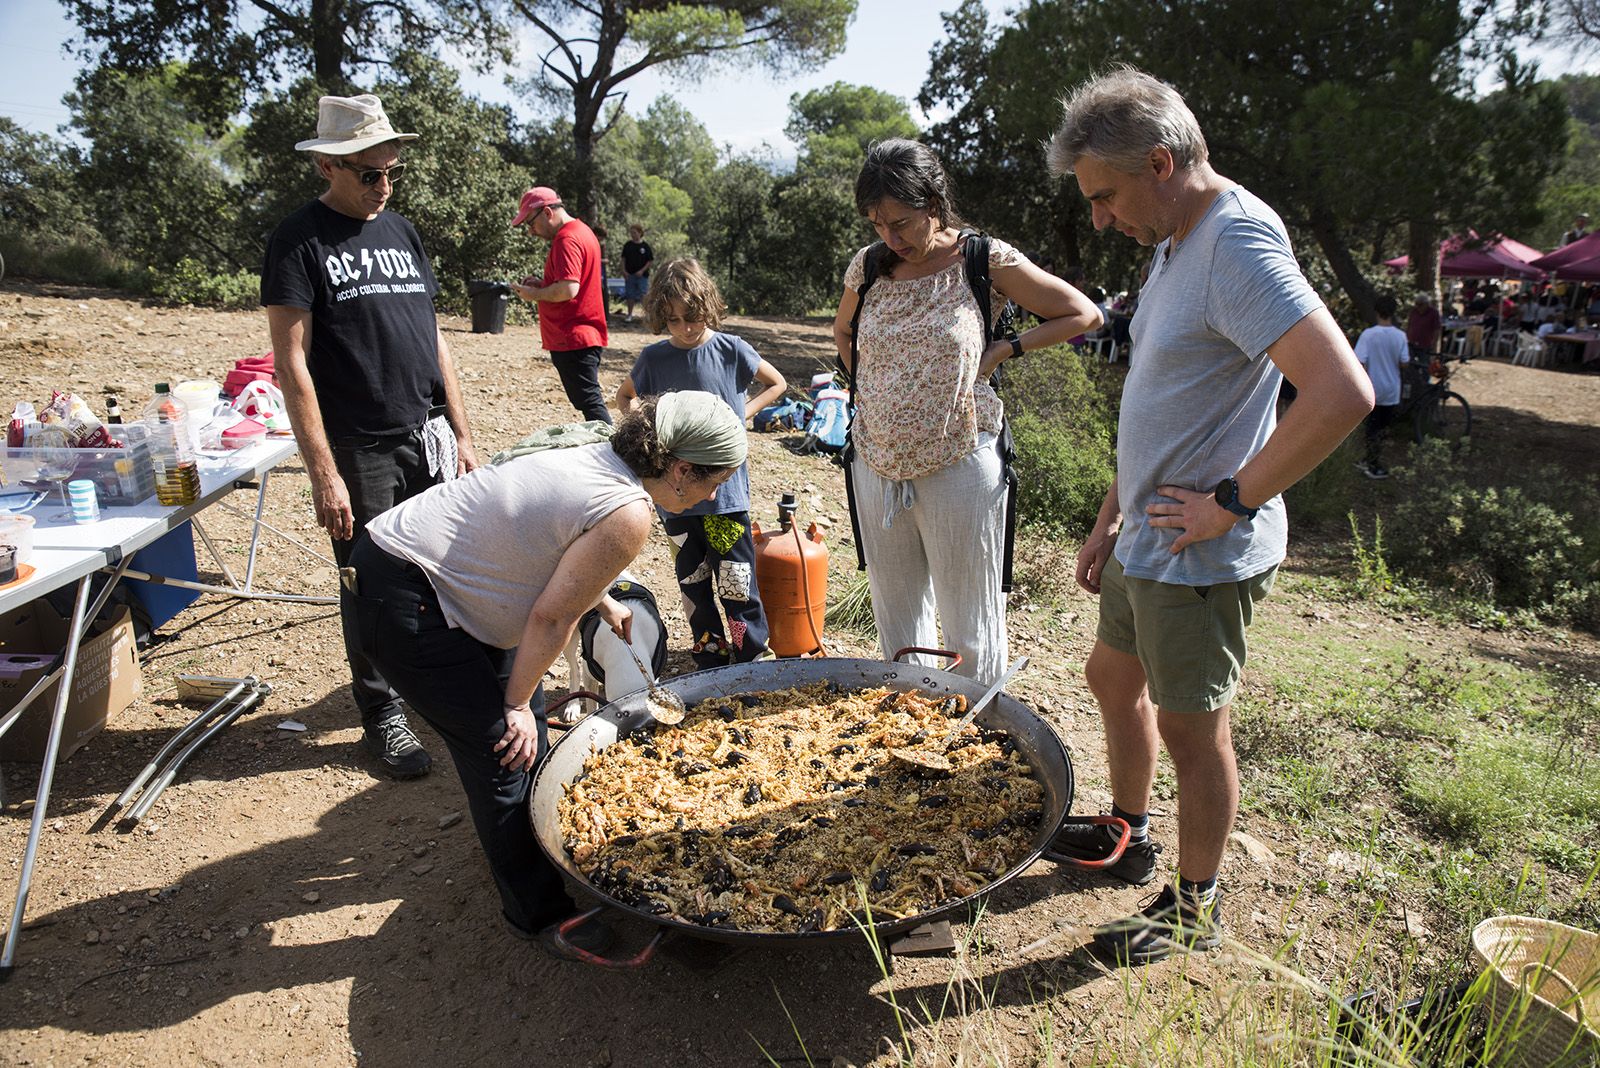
(458, 685)
(378, 473)
(714, 556)
(1377, 423)
(580, 377)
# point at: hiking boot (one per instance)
(1163, 927)
(392, 742)
(1089, 841)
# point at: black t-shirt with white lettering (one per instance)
(374, 354)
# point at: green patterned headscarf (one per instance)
(701, 428)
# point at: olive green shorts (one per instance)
(1189, 639)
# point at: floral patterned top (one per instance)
(919, 407)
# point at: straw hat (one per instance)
(350, 124)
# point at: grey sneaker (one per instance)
(1163, 927)
(393, 743)
(1088, 841)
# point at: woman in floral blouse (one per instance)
(930, 491)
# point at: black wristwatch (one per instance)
(1016, 347)
(1227, 495)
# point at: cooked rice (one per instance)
(784, 811)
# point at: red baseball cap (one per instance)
(540, 196)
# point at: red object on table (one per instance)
(250, 369)
(243, 433)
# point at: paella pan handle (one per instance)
(955, 658)
(1115, 855)
(551, 720)
(638, 960)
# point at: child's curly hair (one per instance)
(683, 279)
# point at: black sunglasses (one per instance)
(370, 175)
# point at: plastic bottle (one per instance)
(177, 474)
(113, 411)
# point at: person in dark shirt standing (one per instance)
(365, 372)
(637, 255)
(1423, 326)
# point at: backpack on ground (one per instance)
(829, 429)
(975, 261)
(791, 413)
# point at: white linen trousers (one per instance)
(939, 559)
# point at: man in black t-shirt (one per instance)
(365, 372)
(637, 255)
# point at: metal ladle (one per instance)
(663, 705)
(933, 758)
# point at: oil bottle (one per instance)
(177, 473)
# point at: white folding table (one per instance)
(66, 552)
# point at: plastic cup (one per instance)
(85, 501)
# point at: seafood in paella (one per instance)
(790, 811)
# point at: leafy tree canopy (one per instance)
(1352, 119)
(834, 125)
(232, 50)
(593, 49)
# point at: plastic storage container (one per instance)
(122, 476)
(172, 456)
(17, 531)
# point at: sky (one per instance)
(887, 48)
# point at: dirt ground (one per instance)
(285, 904)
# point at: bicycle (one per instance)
(1434, 408)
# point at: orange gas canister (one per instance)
(792, 575)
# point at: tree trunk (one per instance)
(1423, 248)
(326, 28)
(1337, 250)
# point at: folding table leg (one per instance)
(46, 777)
(255, 530)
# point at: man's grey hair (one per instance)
(1118, 118)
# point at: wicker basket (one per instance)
(1544, 990)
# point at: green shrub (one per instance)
(1321, 500)
(73, 261)
(1063, 411)
(1497, 543)
(192, 282)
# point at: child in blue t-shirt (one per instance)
(713, 551)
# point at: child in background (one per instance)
(713, 550)
(1381, 350)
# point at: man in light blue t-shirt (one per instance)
(1192, 532)
(1382, 350)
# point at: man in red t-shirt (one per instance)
(570, 298)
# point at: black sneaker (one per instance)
(1091, 841)
(1375, 472)
(392, 742)
(1163, 927)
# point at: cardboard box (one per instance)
(105, 682)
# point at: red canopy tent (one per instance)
(1496, 257)
(1577, 262)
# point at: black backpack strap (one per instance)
(869, 274)
(975, 254)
